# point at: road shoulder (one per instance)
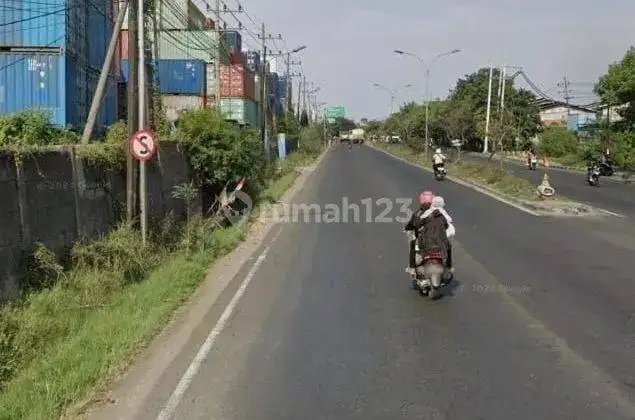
(127, 395)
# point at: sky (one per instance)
(350, 43)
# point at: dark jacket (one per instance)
(432, 236)
(415, 221)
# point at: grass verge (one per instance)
(60, 345)
(490, 176)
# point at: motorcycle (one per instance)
(533, 163)
(593, 176)
(429, 272)
(440, 173)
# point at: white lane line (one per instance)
(175, 399)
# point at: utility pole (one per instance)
(133, 90)
(304, 94)
(142, 107)
(489, 105)
(503, 84)
(219, 46)
(299, 111)
(567, 97)
(288, 84)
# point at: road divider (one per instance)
(493, 180)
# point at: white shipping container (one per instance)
(187, 45)
(174, 105)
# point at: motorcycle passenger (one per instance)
(415, 223)
(438, 160)
(436, 210)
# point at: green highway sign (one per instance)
(337, 111)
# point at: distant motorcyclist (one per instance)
(532, 156)
(414, 224)
(438, 160)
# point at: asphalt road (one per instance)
(613, 194)
(539, 324)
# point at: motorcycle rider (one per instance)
(414, 224)
(438, 160)
(531, 155)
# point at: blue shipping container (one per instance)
(282, 87)
(253, 61)
(81, 27)
(234, 40)
(56, 83)
(177, 77)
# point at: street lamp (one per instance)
(393, 94)
(427, 68)
(288, 87)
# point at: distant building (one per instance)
(559, 114)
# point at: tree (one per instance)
(304, 119)
(525, 115)
(617, 86)
(458, 120)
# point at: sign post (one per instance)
(143, 147)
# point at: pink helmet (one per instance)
(426, 197)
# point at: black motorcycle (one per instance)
(439, 173)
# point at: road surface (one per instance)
(540, 323)
(613, 194)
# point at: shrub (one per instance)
(558, 142)
(32, 127)
(219, 154)
(312, 139)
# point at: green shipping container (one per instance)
(242, 110)
(176, 14)
(190, 45)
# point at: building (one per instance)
(560, 114)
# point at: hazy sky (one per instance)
(350, 42)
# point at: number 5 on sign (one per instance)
(143, 145)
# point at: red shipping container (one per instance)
(237, 58)
(123, 45)
(236, 82)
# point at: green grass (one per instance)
(60, 346)
(492, 175)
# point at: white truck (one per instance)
(357, 135)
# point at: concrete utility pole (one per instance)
(143, 195)
(299, 110)
(489, 105)
(219, 47)
(503, 85)
(288, 84)
(103, 76)
(263, 97)
(133, 90)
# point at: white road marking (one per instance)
(175, 399)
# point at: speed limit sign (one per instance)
(143, 145)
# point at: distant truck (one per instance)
(357, 135)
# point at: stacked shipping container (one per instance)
(176, 77)
(67, 48)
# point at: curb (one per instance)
(616, 177)
(524, 206)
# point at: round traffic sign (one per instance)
(143, 145)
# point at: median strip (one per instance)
(493, 180)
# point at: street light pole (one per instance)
(427, 94)
(393, 95)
